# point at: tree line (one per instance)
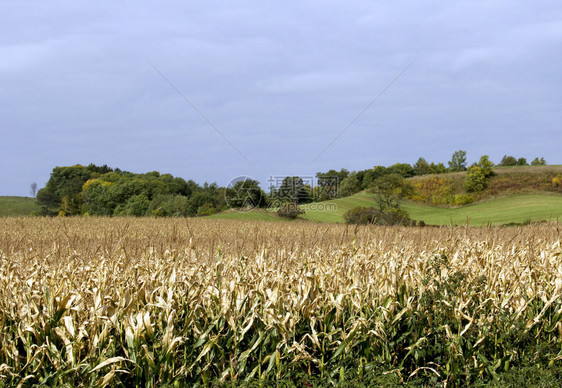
(337, 184)
(106, 191)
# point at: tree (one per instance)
(328, 183)
(538, 162)
(136, 206)
(438, 168)
(33, 189)
(475, 179)
(102, 190)
(367, 177)
(98, 198)
(349, 185)
(458, 161)
(167, 205)
(402, 169)
(206, 209)
(486, 165)
(421, 167)
(100, 169)
(198, 203)
(522, 162)
(293, 189)
(508, 160)
(245, 193)
(64, 182)
(388, 190)
(176, 186)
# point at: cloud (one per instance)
(280, 80)
(22, 57)
(312, 82)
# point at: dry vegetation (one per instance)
(148, 302)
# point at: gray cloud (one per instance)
(280, 80)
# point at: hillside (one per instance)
(506, 181)
(514, 195)
(17, 206)
(521, 208)
(515, 209)
(555, 168)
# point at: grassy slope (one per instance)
(17, 206)
(517, 208)
(497, 211)
(556, 168)
(342, 205)
(514, 208)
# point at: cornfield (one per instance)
(195, 302)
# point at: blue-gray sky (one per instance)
(279, 79)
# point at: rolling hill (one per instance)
(516, 195)
(17, 206)
(514, 209)
(526, 203)
(518, 209)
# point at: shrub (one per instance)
(434, 189)
(206, 209)
(475, 179)
(557, 180)
(360, 215)
(137, 206)
(462, 199)
(538, 162)
(508, 160)
(370, 215)
(395, 216)
(486, 165)
(290, 210)
(168, 206)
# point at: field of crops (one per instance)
(151, 302)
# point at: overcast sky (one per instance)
(280, 80)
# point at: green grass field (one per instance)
(17, 206)
(516, 209)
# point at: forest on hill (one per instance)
(107, 191)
